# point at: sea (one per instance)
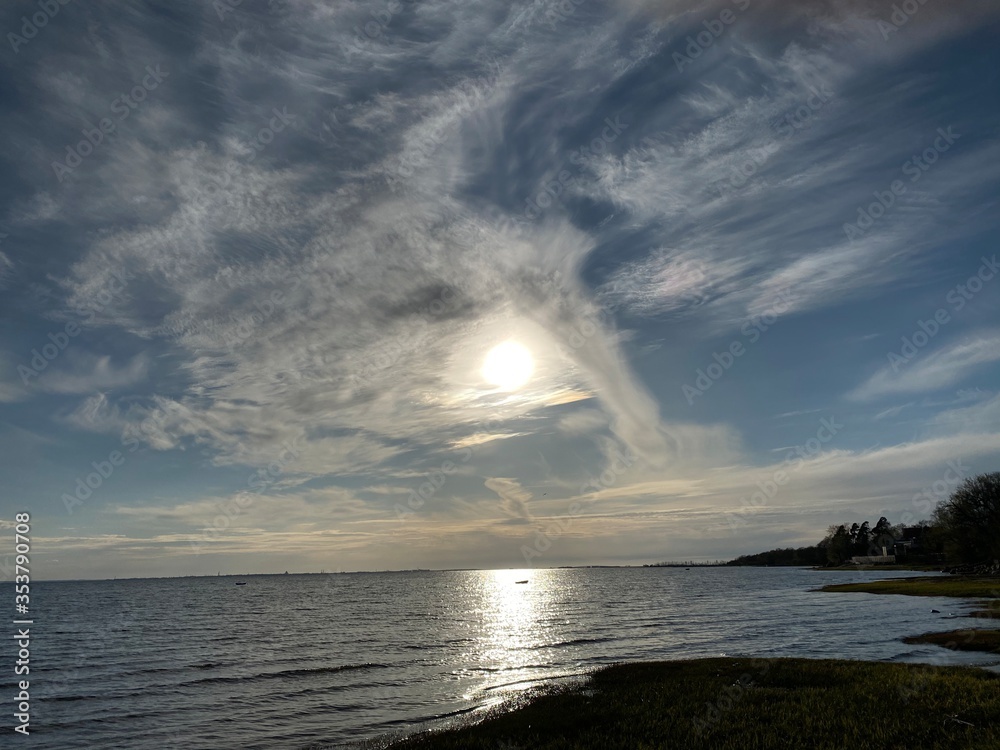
(331, 660)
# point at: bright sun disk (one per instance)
(508, 366)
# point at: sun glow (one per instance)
(508, 366)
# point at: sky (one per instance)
(739, 259)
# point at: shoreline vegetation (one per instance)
(987, 641)
(730, 703)
(735, 703)
(969, 587)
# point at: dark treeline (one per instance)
(910, 544)
(964, 530)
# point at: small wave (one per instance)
(574, 642)
(70, 698)
(903, 657)
(530, 682)
(286, 674)
(497, 670)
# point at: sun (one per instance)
(508, 366)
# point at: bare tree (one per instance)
(969, 520)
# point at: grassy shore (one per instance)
(900, 566)
(962, 586)
(733, 703)
(962, 640)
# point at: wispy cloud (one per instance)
(944, 367)
(515, 498)
(335, 284)
(86, 373)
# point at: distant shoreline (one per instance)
(728, 564)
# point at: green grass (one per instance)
(736, 703)
(967, 586)
(961, 640)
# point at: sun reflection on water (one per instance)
(511, 610)
(513, 620)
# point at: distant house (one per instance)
(911, 542)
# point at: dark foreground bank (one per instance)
(734, 703)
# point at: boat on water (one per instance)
(524, 581)
(241, 583)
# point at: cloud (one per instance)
(515, 498)
(318, 297)
(983, 417)
(481, 438)
(251, 510)
(583, 422)
(82, 372)
(944, 367)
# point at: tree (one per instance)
(862, 539)
(969, 520)
(882, 535)
(839, 548)
(882, 527)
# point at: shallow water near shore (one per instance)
(327, 660)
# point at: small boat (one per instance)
(241, 583)
(524, 581)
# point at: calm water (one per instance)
(323, 660)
